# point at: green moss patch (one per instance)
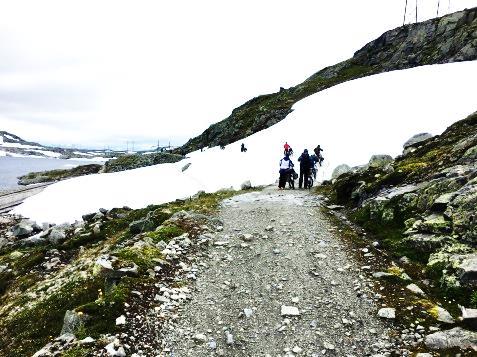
(165, 233)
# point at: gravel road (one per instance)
(278, 255)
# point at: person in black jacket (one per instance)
(305, 166)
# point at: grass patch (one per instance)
(103, 311)
(32, 328)
(165, 233)
(145, 257)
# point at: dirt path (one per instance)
(293, 258)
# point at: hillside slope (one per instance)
(451, 38)
(14, 146)
(423, 206)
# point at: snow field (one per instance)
(352, 121)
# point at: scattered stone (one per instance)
(297, 350)
(248, 312)
(199, 338)
(328, 346)
(246, 237)
(387, 313)
(381, 274)
(415, 289)
(289, 311)
(269, 229)
(229, 338)
(121, 320)
(442, 315)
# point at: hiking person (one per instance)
(286, 167)
(243, 148)
(317, 152)
(305, 166)
(286, 147)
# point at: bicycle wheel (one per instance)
(310, 182)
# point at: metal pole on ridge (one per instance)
(405, 10)
(416, 11)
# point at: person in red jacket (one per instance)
(287, 149)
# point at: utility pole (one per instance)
(405, 10)
(416, 11)
(157, 145)
(133, 146)
(438, 3)
(127, 146)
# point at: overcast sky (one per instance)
(100, 73)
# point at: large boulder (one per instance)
(455, 338)
(340, 170)
(380, 161)
(410, 145)
(23, 229)
(56, 235)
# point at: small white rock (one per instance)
(121, 320)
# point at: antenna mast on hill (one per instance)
(405, 10)
(416, 11)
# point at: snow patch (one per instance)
(351, 121)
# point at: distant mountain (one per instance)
(451, 38)
(13, 145)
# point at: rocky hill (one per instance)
(13, 145)
(447, 39)
(422, 206)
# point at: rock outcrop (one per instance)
(451, 38)
(424, 205)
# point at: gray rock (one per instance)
(23, 229)
(469, 317)
(185, 167)
(71, 322)
(88, 217)
(56, 235)
(199, 338)
(381, 274)
(387, 313)
(248, 312)
(229, 338)
(425, 243)
(441, 202)
(467, 269)
(340, 170)
(416, 139)
(380, 161)
(443, 315)
(37, 239)
(3, 243)
(289, 311)
(415, 289)
(247, 185)
(454, 338)
(143, 225)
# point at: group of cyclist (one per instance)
(307, 167)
